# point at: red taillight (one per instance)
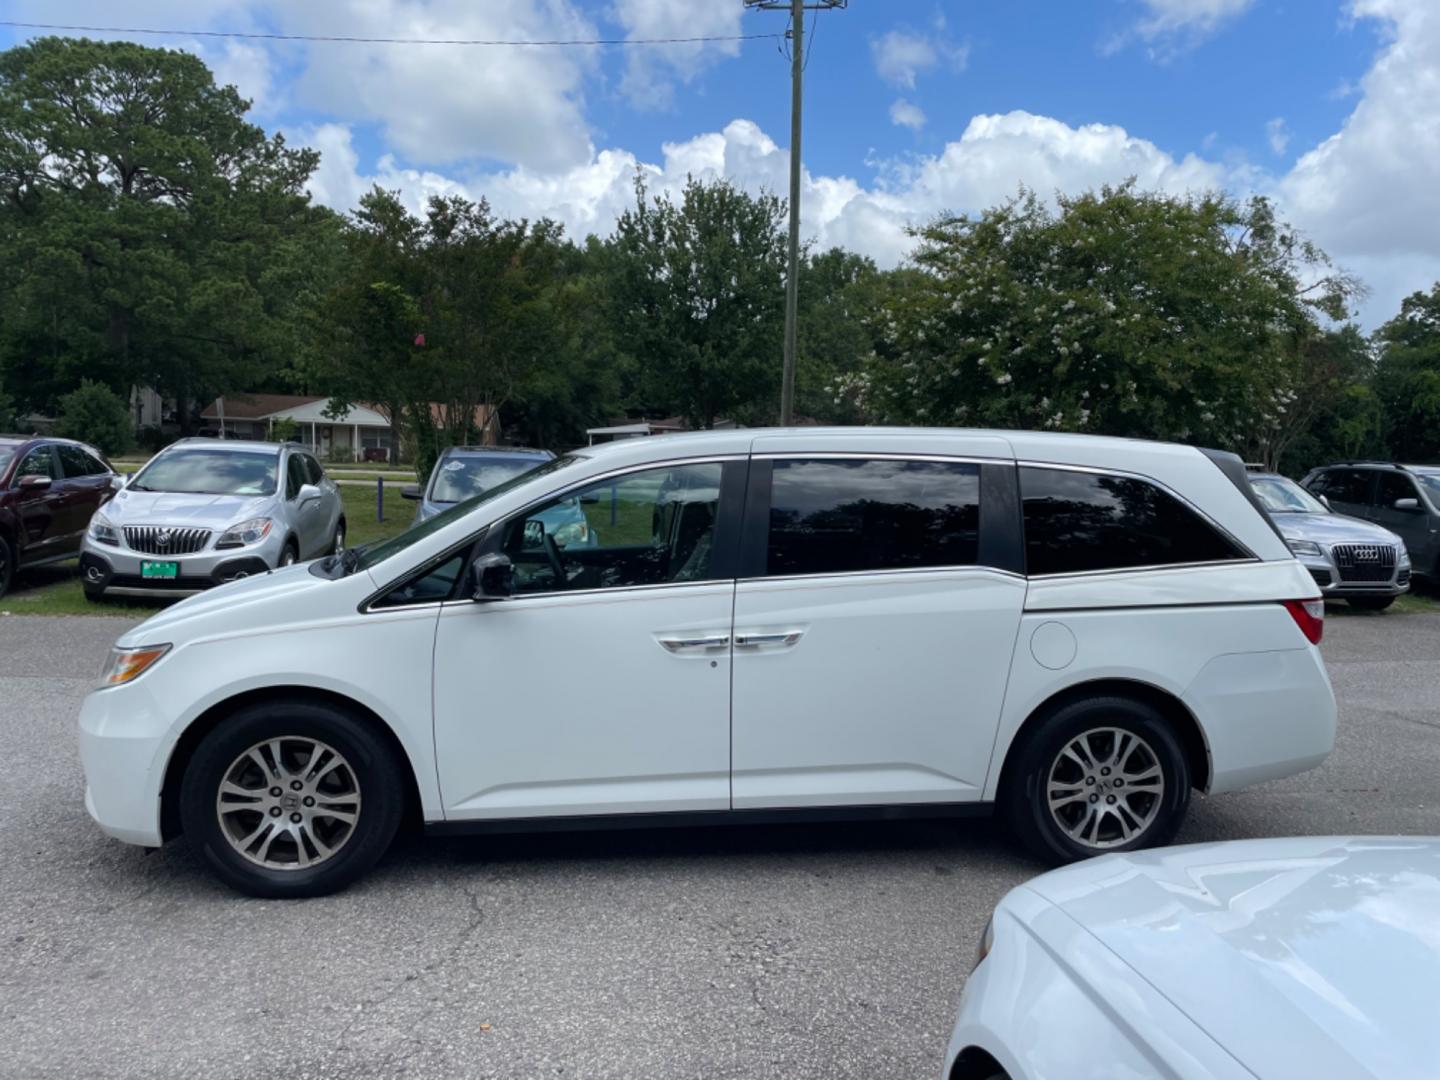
(1309, 615)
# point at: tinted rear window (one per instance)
(1079, 521)
(1345, 485)
(834, 516)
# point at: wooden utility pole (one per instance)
(792, 281)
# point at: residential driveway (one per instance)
(835, 951)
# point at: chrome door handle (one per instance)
(779, 637)
(690, 644)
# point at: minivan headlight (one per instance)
(127, 665)
(102, 532)
(1304, 547)
(247, 532)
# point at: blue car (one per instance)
(463, 472)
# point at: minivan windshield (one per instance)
(207, 471)
(463, 476)
(372, 556)
(1281, 496)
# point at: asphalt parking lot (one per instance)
(834, 951)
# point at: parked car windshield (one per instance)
(203, 471)
(1281, 496)
(1429, 480)
(372, 556)
(462, 477)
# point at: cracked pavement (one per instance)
(802, 951)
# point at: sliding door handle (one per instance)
(755, 639)
(693, 644)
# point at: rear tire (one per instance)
(1097, 775)
(1371, 603)
(341, 796)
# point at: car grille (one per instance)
(159, 540)
(1365, 562)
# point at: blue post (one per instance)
(614, 499)
(379, 498)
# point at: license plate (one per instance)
(162, 570)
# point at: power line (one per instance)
(344, 39)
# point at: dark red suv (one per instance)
(49, 488)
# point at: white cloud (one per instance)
(902, 55)
(1196, 17)
(652, 68)
(1370, 189)
(907, 114)
(1277, 135)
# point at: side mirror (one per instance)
(1325, 501)
(492, 577)
(35, 482)
(1410, 506)
(117, 482)
(307, 493)
(410, 491)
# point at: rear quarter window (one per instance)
(1083, 521)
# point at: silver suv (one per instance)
(1349, 559)
(206, 511)
(1402, 498)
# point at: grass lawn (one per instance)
(55, 590)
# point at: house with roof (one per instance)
(361, 432)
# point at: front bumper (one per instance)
(124, 746)
(115, 570)
(1334, 586)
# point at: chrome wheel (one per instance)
(288, 803)
(339, 544)
(289, 557)
(1105, 787)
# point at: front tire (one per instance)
(291, 799)
(337, 542)
(7, 565)
(289, 554)
(1371, 603)
(1098, 775)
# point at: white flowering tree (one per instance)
(1117, 312)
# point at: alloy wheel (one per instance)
(1105, 788)
(288, 803)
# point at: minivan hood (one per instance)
(227, 607)
(1332, 528)
(131, 507)
(1286, 952)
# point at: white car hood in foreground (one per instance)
(1301, 957)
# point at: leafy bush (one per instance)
(95, 414)
(285, 430)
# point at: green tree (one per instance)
(151, 236)
(840, 294)
(95, 414)
(1407, 377)
(1118, 313)
(697, 301)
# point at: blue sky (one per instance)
(1332, 107)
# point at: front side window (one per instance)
(202, 471)
(1347, 485)
(1081, 521)
(1394, 486)
(460, 477)
(1429, 481)
(431, 587)
(832, 515)
(38, 462)
(313, 472)
(655, 527)
(295, 477)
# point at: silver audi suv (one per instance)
(206, 511)
(1349, 559)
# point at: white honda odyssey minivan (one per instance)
(1073, 631)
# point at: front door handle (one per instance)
(755, 639)
(693, 644)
